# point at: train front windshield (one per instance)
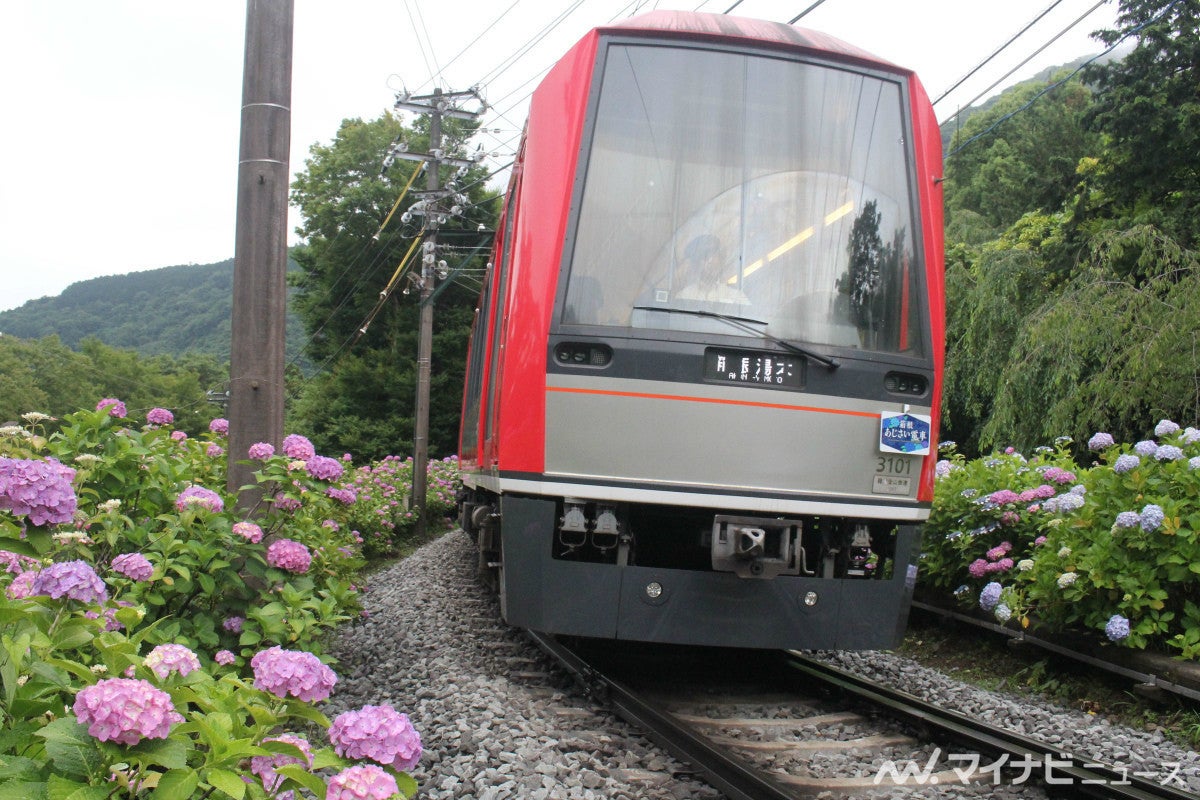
(750, 186)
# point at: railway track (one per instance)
(771, 725)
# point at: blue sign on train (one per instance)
(904, 433)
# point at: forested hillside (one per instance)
(168, 311)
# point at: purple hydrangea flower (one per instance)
(134, 566)
(1064, 503)
(115, 407)
(233, 624)
(198, 496)
(1127, 462)
(21, 586)
(1117, 627)
(159, 416)
(1152, 517)
(248, 531)
(324, 468)
(297, 446)
(990, 596)
(15, 563)
(125, 711)
(1168, 452)
(224, 657)
(264, 766)
(1145, 447)
(168, 658)
(289, 555)
(74, 579)
(214, 451)
(285, 503)
(346, 497)
(1194, 462)
(1128, 519)
(379, 733)
(40, 490)
(261, 451)
(219, 426)
(942, 468)
(1100, 441)
(292, 672)
(179, 436)
(361, 782)
(1165, 427)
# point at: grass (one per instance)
(987, 661)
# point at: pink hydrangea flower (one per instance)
(115, 407)
(219, 426)
(324, 468)
(248, 531)
(168, 658)
(224, 657)
(214, 451)
(39, 490)
(292, 672)
(198, 496)
(159, 416)
(285, 503)
(21, 586)
(297, 446)
(261, 451)
(15, 563)
(264, 766)
(125, 711)
(361, 782)
(179, 436)
(74, 579)
(289, 555)
(378, 733)
(134, 566)
(346, 496)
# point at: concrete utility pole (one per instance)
(260, 250)
(438, 105)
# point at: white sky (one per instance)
(120, 126)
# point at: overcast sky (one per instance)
(120, 132)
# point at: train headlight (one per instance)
(654, 590)
(810, 599)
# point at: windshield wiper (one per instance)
(743, 323)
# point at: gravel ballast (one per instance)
(498, 720)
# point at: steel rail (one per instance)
(1082, 776)
(729, 775)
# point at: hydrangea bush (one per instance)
(379, 499)
(1115, 549)
(155, 640)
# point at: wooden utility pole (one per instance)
(260, 248)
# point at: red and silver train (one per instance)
(702, 393)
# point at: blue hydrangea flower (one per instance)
(962, 590)
(1117, 628)
(1003, 612)
(1127, 519)
(1152, 518)
(1145, 447)
(1127, 462)
(1168, 452)
(1100, 441)
(1194, 462)
(1064, 503)
(990, 596)
(1165, 427)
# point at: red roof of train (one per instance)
(759, 30)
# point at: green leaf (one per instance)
(18, 546)
(300, 775)
(169, 753)
(71, 749)
(18, 767)
(23, 790)
(176, 784)
(307, 712)
(59, 788)
(407, 784)
(228, 782)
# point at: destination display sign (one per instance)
(765, 369)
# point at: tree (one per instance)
(364, 343)
(1148, 107)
